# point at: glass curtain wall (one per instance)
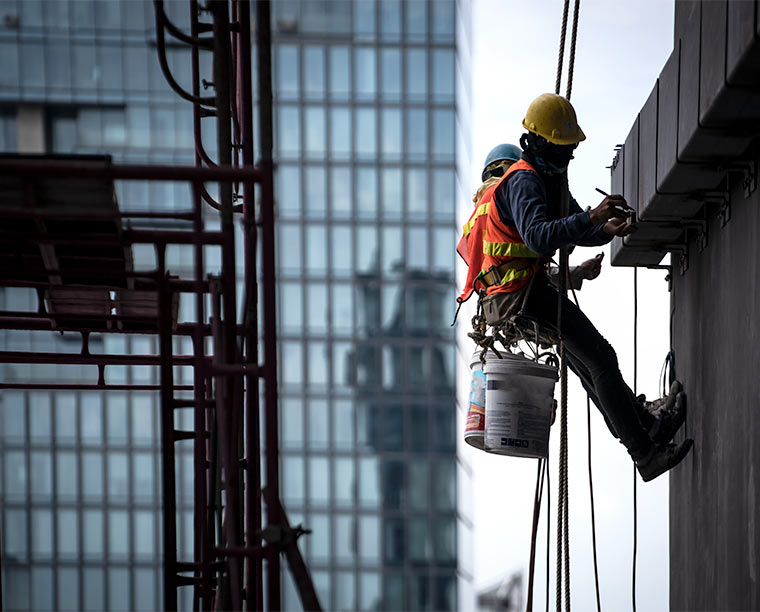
(366, 122)
(80, 471)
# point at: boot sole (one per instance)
(683, 450)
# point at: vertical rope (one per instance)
(573, 36)
(593, 515)
(548, 527)
(534, 532)
(635, 383)
(562, 36)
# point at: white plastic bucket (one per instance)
(475, 424)
(519, 404)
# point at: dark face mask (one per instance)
(551, 158)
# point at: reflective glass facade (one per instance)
(366, 146)
(369, 112)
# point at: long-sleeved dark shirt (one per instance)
(522, 202)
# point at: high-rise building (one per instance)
(370, 107)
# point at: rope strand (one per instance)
(571, 63)
(561, 57)
(635, 384)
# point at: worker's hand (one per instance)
(619, 227)
(591, 268)
(611, 207)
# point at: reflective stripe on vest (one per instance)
(504, 248)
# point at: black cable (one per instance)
(635, 382)
(593, 515)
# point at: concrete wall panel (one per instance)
(714, 503)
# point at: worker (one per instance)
(508, 241)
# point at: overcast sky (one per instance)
(622, 46)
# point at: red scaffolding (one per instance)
(64, 235)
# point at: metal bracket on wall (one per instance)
(668, 276)
(748, 170)
(721, 199)
(682, 251)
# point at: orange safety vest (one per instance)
(487, 242)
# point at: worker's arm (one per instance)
(596, 235)
(523, 203)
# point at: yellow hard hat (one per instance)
(553, 117)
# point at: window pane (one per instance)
(145, 525)
(366, 249)
(314, 71)
(342, 310)
(94, 589)
(391, 73)
(416, 193)
(444, 123)
(68, 588)
(39, 417)
(319, 421)
(91, 418)
(340, 72)
(364, 19)
(291, 317)
(316, 249)
(393, 263)
(118, 534)
(116, 413)
(342, 239)
(291, 425)
(343, 365)
(315, 131)
(364, 73)
(345, 591)
(288, 130)
(40, 480)
(92, 476)
(145, 596)
(369, 482)
(316, 192)
(391, 133)
(42, 593)
(392, 199)
(293, 480)
(345, 539)
(416, 134)
(65, 418)
(370, 591)
(393, 428)
(445, 535)
(67, 480)
(316, 298)
(33, 61)
(390, 19)
(117, 477)
(344, 481)
(290, 249)
(366, 133)
(394, 545)
(416, 248)
(442, 19)
(288, 190)
(366, 193)
(416, 74)
(15, 475)
(340, 192)
(444, 484)
(319, 540)
(118, 589)
(142, 481)
(318, 364)
(443, 194)
(416, 19)
(287, 71)
(343, 424)
(340, 132)
(68, 534)
(419, 479)
(291, 354)
(369, 539)
(319, 481)
(42, 534)
(443, 75)
(93, 534)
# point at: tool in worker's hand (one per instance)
(623, 209)
(600, 256)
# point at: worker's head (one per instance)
(553, 132)
(499, 159)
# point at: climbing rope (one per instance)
(593, 515)
(635, 384)
(562, 36)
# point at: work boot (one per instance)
(662, 458)
(668, 414)
(668, 422)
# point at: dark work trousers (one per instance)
(594, 361)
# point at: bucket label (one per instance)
(518, 428)
(478, 389)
